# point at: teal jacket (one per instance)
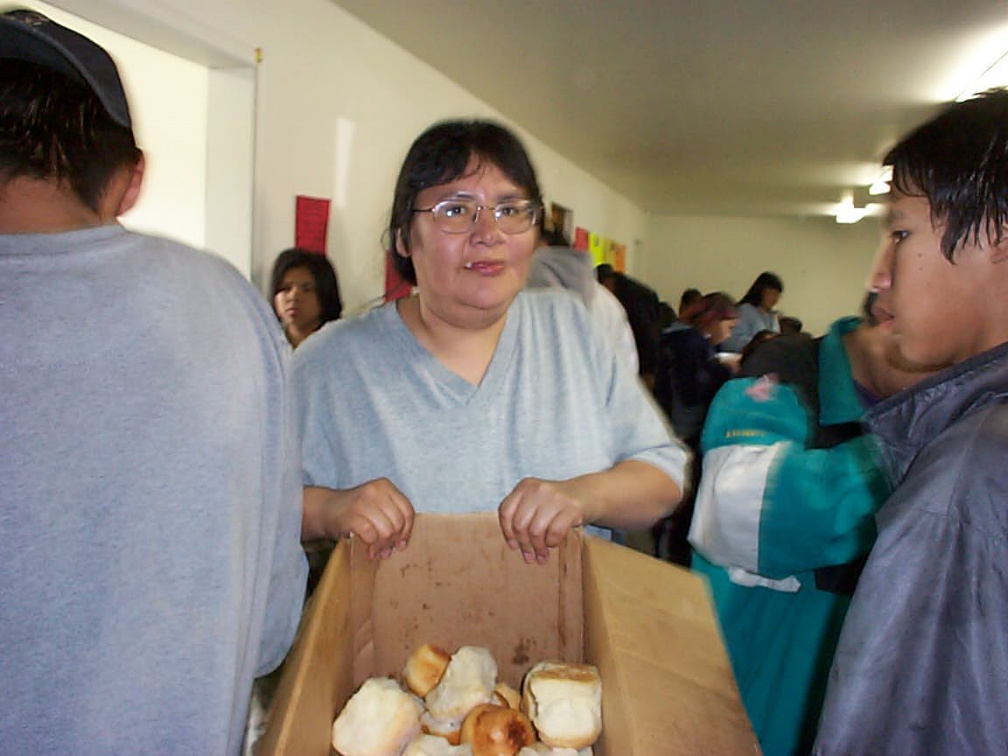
(771, 510)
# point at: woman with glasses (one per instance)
(473, 394)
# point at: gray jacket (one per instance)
(922, 664)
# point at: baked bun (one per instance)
(505, 695)
(541, 749)
(424, 668)
(447, 729)
(564, 702)
(468, 681)
(378, 720)
(431, 745)
(497, 731)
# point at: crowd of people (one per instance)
(172, 441)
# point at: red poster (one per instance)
(581, 238)
(312, 223)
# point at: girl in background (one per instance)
(305, 293)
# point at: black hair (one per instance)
(688, 297)
(867, 307)
(440, 155)
(550, 234)
(604, 272)
(790, 324)
(765, 280)
(959, 162)
(326, 284)
(53, 128)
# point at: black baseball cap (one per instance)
(28, 35)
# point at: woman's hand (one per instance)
(630, 495)
(376, 512)
(537, 514)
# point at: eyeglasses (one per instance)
(459, 216)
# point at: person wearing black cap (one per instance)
(151, 501)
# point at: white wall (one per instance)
(168, 103)
(337, 106)
(824, 265)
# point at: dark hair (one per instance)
(604, 272)
(765, 280)
(710, 309)
(790, 324)
(550, 234)
(959, 162)
(688, 297)
(53, 128)
(326, 285)
(441, 154)
(867, 307)
(759, 339)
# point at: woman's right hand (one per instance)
(376, 512)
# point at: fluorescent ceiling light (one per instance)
(881, 184)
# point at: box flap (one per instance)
(316, 679)
(654, 636)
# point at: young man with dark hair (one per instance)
(922, 663)
(151, 501)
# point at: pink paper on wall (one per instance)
(311, 223)
(581, 239)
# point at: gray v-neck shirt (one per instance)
(555, 403)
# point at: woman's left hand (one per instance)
(537, 514)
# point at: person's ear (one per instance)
(400, 245)
(132, 193)
(999, 250)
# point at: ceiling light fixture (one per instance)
(845, 212)
(881, 184)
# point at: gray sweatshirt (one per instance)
(150, 506)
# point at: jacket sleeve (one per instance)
(769, 505)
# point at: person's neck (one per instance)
(296, 335)
(32, 206)
(464, 348)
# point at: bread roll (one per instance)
(564, 702)
(447, 729)
(424, 668)
(431, 745)
(497, 731)
(378, 720)
(468, 681)
(541, 749)
(505, 695)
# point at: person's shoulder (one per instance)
(346, 337)
(961, 473)
(174, 261)
(551, 303)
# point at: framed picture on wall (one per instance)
(561, 218)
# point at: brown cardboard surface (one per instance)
(459, 584)
(648, 626)
(317, 680)
(667, 681)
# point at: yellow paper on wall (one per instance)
(595, 247)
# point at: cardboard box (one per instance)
(648, 626)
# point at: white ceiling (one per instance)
(738, 107)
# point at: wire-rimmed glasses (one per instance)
(459, 216)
